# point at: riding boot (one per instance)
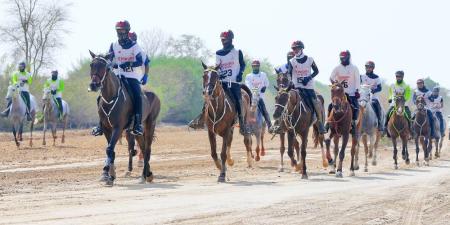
(199, 121)
(377, 108)
(320, 119)
(432, 127)
(137, 126)
(97, 131)
(263, 109)
(60, 108)
(5, 113)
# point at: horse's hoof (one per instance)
(140, 163)
(292, 164)
(149, 179)
(304, 176)
(366, 170)
(257, 158)
(352, 173)
(417, 163)
(280, 169)
(263, 152)
(396, 167)
(141, 180)
(44, 143)
(104, 177)
(230, 162)
(110, 182)
(374, 163)
(339, 174)
(298, 168)
(407, 161)
(357, 167)
(127, 174)
(221, 179)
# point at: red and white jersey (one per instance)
(122, 55)
(435, 104)
(373, 82)
(300, 71)
(229, 65)
(350, 75)
(257, 81)
(426, 95)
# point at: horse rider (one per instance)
(399, 87)
(436, 105)
(232, 66)
(24, 80)
(285, 67)
(348, 74)
(258, 79)
(424, 92)
(302, 70)
(374, 81)
(56, 87)
(133, 37)
(127, 56)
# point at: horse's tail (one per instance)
(246, 89)
(155, 104)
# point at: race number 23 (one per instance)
(226, 73)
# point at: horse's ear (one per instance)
(204, 65)
(217, 67)
(92, 54)
(276, 88)
(108, 56)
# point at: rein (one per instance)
(421, 125)
(331, 118)
(287, 117)
(216, 119)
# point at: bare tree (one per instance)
(35, 30)
(188, 46)
(154, 42)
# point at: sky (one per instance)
(412, 35)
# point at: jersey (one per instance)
(229, 65)
(400, 88)
(55, 85)
(349, 76)
(257, 81)
(373, 83)
(300, 71)
(20, 78)
(133, 55)
(435, 103)
(425, 94)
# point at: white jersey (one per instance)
(300, 71)
(426, 94)
(257, 81)
(350, 75)
(283, 68)
(435, 104)
(229, 65)
(373, 83)
(122, 55)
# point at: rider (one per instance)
(423, 91)
(258, 79)
(56, 87)
(436, 105)
(348, 74)
(285, 67)
(128, 56)
(374, 81)
(232, 66)
(133, 37)
(23, 79)
(300, 68)
(399, 87)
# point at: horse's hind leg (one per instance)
(366, 150)
(31, 130)
(375, 148)
(416, 141)
(131, 152)
(258, 149)
(44, 131)
(230, 160)
(405, 148)
(54, 133)
(248, 147)
(263, 150)
(345, 138)
(353, 156)
(64, 130)
(323, 152)
(303, 152)
(282, 149)
(291, 139)
(213, 143)
(147, 148)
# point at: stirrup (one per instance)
(137, 130)
(97, 131)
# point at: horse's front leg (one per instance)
(248, 148)
(111, 155)
(426, 150)
(282, 149)
(54, 133)
(230, 160)
(394, 144)
(353, 156)
(416, 142)
(258, 150)
(213, 143)
(15, 136)
(263, 150)
(223, 156)
(44, 131)
(64, 129)
(345, 138)
(131, 152)
(405, 149)
(303, 152)
(291, 138)
(31, 129)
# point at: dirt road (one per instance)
(58, 185)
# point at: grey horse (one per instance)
(18, 112)
(51, 115)
(256, 123)
(368, 129)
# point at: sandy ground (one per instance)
(59, 185)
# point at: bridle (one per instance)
(286, 116)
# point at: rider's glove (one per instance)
(357, 95)
(125, 65)
(239, 77)
(390, 101)
(144, 79)
(263, 89)
(53, 92)
(306, 80)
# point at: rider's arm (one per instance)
(241, 63)
(30, 79)
(46, 84)
(147, 64)
(289, 69)
(315, 69)
(414, 97)
(248, 81)
(442, 104)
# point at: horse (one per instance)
(255, 121)
(115, 110)
(398, 128)
(422, 130)
(290, 109)
(51, 115)
(17, 113)
(283, 82)
(340, 120)
(319, 138)
(438, 137)
(220, 116)
(368, 130)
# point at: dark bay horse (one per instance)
(398, 128)
(291, 110)
(220, 117)
(115, 110)
(422, 130)
(340, 120)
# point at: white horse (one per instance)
(255, 121)
(51, 115)
(18, 112)
(368, 127)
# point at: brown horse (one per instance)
(283, 82)
(291, 110)
(422, 130)
(398, 128)
(220, 117)
(340, 120)
(115, 110)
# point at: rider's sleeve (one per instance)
(139, 59)
(14, 78)
(407, 93)
(46, 84)
(414, 97)
(61, 86)
(241, 62)
(315, 69)
(377, 89)
(357, 78)
(333, 75)
(30, 79)
(147, 60)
